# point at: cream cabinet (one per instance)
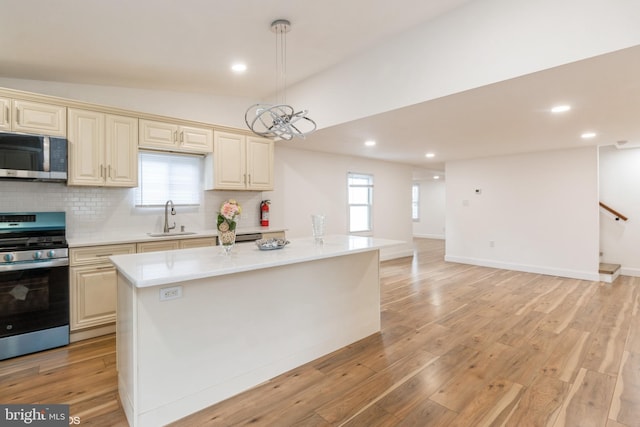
(158, 245)
(175, 137)
(5, 117)
(103, 149)
(167, 245)
(93, 283)
(33, 117)
(199, 242)
(239, 162)
(274, 235)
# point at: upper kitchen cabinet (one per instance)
(33, 117)
(103, 149)
(175, 137)
(240, 162)
(5, 117)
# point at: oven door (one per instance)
(33, 296)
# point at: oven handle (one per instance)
(58, 262)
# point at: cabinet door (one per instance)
(229, 154)
(196, 139)
(160, 135)
(86, 148)
(5, 114)
(121, 151)
(34, 117)
(161, 245)
(259, 164)
(93, 291)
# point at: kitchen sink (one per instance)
(177, 233)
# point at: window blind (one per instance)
(168, 176)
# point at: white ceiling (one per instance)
(189, 45)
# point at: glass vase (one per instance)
(227, 239)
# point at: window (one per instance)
(415, 202)
(168, 176)
(360, 202)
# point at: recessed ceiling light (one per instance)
(370, 143)
(436, 176)
(239, 67)
(588, 135)
(429, 155)
(560, 108)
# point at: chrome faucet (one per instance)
(166, 216)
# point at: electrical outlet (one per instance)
(170, 293)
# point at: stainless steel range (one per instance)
(34, 283)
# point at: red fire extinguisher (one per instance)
(264, 213)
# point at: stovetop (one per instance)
(32, 236)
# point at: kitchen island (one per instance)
(195, 326)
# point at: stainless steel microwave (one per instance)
(36, 157)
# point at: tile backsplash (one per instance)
(99, 210)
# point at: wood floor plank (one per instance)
(373, 389)
(539, 404)
(492, 406)
(410, 395)
(460, 345)
(471, 378)
(587, 403)
(566, 358)
(625, 407)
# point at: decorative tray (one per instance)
(271, 244)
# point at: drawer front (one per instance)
(198, 243)
(162, 245)
(98, 254)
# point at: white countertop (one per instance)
(161, 268)
(119, 237)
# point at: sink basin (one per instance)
(177, 233)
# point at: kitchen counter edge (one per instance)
(168, 267)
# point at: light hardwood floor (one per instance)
(460, 346)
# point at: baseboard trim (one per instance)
(571, 274)
(430, 236)
(92, 333)
(633, 272)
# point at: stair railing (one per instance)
(617, 214)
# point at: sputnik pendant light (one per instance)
(279, 120)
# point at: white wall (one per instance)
(619, 189)
(308, 182)
(540, 210)
(431, 224)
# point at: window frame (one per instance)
(370, 185)
(415, 202)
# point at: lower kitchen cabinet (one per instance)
(93, 282)
(94, 291)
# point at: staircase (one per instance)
(609, 272)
